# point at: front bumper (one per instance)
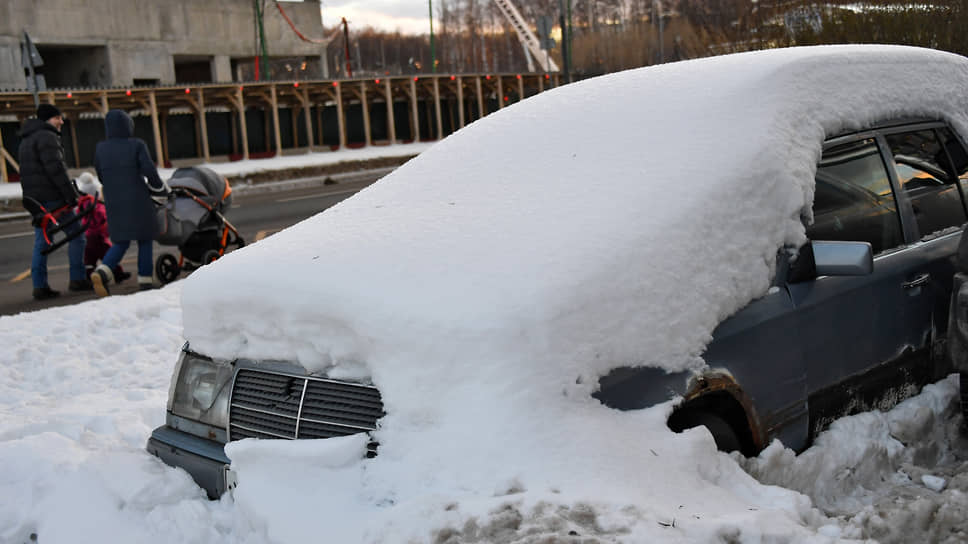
(204, 460)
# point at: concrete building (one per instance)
(111, 43)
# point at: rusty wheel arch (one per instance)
(718, 392)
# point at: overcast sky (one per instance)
(409, 16)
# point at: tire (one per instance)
(726, 438)
(237, 241)
(166, 268)
(210, 256)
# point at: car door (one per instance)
(857, 332)
(929, 180)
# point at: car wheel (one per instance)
(166, 268)
(723, 433)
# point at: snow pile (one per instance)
(898, 476)
(485, 286)
(83, 385)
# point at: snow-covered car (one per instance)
(743, 242)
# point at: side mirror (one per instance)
(824, 258)
(843, 258)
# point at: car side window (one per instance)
(920, 162)
(958, 156)
(853, 200)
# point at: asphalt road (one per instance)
(256, 212)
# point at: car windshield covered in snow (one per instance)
(744, 243)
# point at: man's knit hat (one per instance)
(46, 111)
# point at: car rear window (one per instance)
(921, 166)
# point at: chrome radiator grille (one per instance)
(271, 405)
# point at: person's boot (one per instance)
(80, 285)
(145, 283)
(101, 278)
(45, 293)
(120, 275)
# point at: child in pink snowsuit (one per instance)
(96, 226)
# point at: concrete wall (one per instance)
(141, 36)
(146, 61)
(11, 73)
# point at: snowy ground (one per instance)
(81, 388)
(473, 301)
(12, 190)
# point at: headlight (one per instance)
(200, 389)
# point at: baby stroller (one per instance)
(192, 220)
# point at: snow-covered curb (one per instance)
(308, 169)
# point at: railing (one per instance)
(469, 96)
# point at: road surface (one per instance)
(256, 213)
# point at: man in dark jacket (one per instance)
(43, 177)
(130, 179)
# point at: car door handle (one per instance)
(917, 282)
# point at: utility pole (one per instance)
(565, 36)
(433, 54)
(346, 48)
(260, 29)
(571, 45)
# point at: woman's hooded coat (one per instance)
(129, 179)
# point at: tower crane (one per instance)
(527, 38)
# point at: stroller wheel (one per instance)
(166, 268)
(210, 256)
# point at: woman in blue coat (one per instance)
(130, 179)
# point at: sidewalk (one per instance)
(244, 175)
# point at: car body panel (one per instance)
(204, 460)
(811, 351)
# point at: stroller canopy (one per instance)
(204, 183)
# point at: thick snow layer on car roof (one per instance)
(486, 284)
(612, 221)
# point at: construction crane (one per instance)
(530, 43)
(527, 38)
